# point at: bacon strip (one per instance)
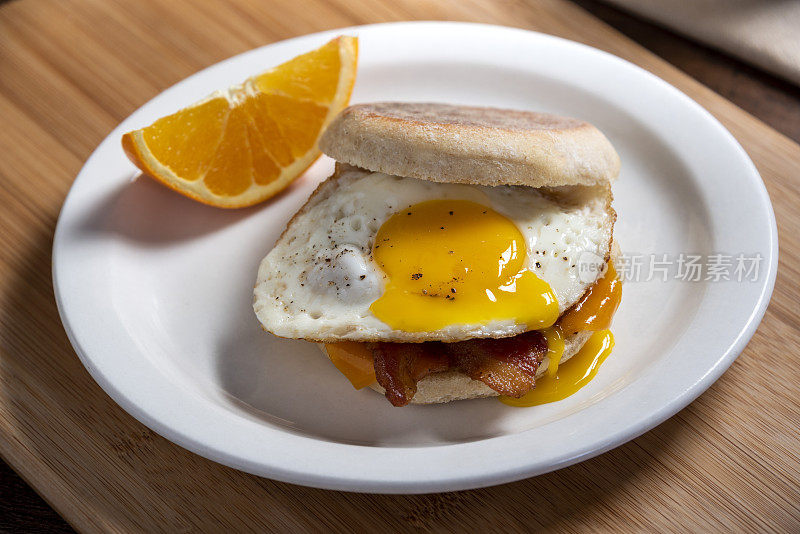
(399, 366)
(507, 365)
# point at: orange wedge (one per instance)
(242, 145)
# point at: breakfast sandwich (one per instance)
(456, 252)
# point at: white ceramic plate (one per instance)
(155, 290)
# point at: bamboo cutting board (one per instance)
(71, 70)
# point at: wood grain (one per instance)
(70, 71)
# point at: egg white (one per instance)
(319, 280)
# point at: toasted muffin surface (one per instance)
(461, 144)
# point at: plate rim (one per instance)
(455, 481)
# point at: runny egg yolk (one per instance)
(555, 349)
(457, 262)
(597, 307)
(572, 376)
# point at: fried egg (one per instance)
(374, 257)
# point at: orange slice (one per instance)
(242, 145)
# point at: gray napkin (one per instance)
(765, 33)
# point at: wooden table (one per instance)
(70, 71)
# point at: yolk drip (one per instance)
(457, 262)
(555, 349)
(597, 307)
(593, 312)
(572, 376)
